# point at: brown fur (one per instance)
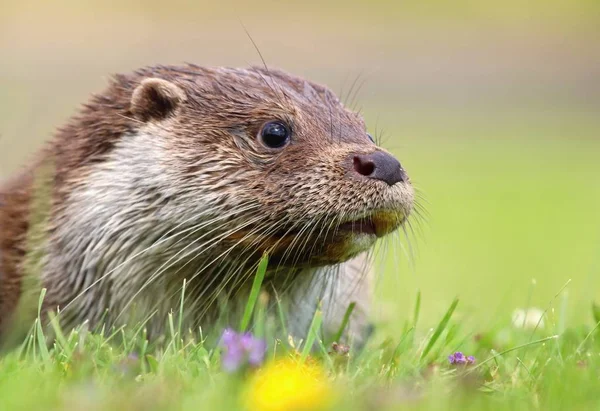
(14, 212)
(203, 108)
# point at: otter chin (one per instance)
(334, 242)
(377, 224)
(190, 173)
(359, 235)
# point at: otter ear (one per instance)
(156, 99)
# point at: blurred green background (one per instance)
(493, 107)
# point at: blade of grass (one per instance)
(582, 344)
(59, 335)
(313, 332)
(440, 328)
(173, 342)
(416, 314)
(544, 314)
(30, 349)
(417, 309)
(180, 319)
(258, 280)
(41, 338)
(345, 321)
(326, 356)
(282, 317)
(260, 315)
(392, 362)
(518, 347)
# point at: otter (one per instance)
(189, 173)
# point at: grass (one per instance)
(536, 367)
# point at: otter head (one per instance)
(268, 161)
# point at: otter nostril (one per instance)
(380, 166)
(364, 165)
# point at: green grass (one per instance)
(534, 368)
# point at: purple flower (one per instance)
(241, 349)
(458, 358)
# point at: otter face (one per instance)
(316, 188)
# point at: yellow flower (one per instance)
(289, 385)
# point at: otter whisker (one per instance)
(223, 254)
(305, 233)
(264, 64)
(345, 98)
(169, 263)
(196, 228)
(193, 229)
(253, 233)
(228, 277)
(140, 269)
(353, 97)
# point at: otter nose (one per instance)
(380, 166)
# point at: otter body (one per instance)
(184, 172)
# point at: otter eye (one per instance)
(371, 137)
(275, 134)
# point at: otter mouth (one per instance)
(362, 226)
(378, 224)
(321, 246)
